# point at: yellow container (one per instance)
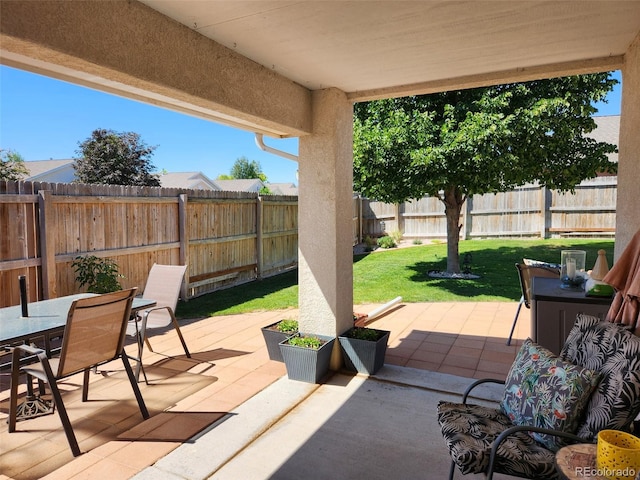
(618, 455)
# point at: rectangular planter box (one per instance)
(272, 338)
(364, 356)
(307, 364)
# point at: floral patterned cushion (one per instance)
(469, 431)
(542, 390)
(613, 350)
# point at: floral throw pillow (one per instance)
(544, 391)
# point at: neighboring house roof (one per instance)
(240, 185)
(54, 171)
(607, 130)
(189, 180)
(283, 188)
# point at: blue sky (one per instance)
(612, 104)
(42, 118)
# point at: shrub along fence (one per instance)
(226, 238)
(528, 211)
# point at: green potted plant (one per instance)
(277, 332)
(307, 357)
(99, 274)
(363, 349)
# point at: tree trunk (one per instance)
(453, 200)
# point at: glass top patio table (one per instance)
(45, 317)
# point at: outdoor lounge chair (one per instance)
(526, 271)
(515, 438)
(163, 286)
(94, 334)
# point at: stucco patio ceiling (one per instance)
(253, 64)
(373, 49)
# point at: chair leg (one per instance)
(134, 385)
(452, 470)
(30, 392)
(184, 344)
(13, 396)
(141, 342)
(62, 411)
(85, 384)
(41, 389)
(30, 386)
(515, 320)
(140, 368)
(64, 418)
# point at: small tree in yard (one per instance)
(454, 144)
(245, 168)
(112, 158)
(12, 167)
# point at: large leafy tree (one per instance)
(454, 144)
(113, 158)
(12, 167)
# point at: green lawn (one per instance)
(385, 274)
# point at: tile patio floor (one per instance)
(229, 365)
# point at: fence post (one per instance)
(360, 220)
(184, 242)
(47, 244)
(543, 211)
(259, 246)
(466, 217)
(356, 218)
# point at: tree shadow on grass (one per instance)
(496, 268)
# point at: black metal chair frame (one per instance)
(525, 286)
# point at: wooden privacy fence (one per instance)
(528, 211)
(225, 238)
(229, 238)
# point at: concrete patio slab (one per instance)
(351, 427)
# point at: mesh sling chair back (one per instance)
(548, 401)
(94, 334)
(526, 271)
(163, 286)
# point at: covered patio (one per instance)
(231, 388)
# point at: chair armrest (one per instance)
(29, 349)
(31, 352)
(479, 382)
(147, 311)
(525, 428)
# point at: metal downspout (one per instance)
(262, 146)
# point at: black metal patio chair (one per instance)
(548, 401)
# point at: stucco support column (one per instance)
(324, 218)
(628, 201)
